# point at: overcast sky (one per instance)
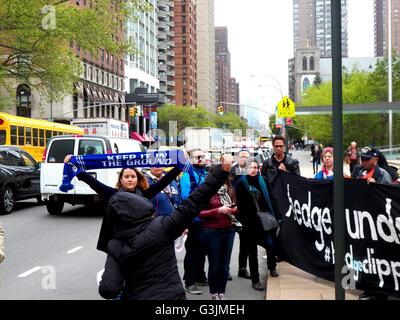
(260, 40)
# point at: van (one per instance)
(53, 163)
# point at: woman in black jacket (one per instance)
(141, 258)
(138, 185)
(252, 233)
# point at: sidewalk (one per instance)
(295, 284)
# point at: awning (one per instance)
(122, 98)
(137, 136)
(79, 89)
(95, 94)
(88, 91)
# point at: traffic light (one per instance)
(132, 111)
(221, 110)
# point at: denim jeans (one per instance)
(219, 249)
(195, 256)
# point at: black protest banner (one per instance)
(372, 217)
(306, 235)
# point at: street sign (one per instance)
(289, 121)
(286, 108)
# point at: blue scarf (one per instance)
(78, 164)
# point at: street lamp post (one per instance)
(279, 88)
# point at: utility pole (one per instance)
(390, 98)
(338, 183)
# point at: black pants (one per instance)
(248, 248)
(243, 250)
(195, 257)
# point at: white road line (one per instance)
(99, 274)
(74, 249)
(29, 272)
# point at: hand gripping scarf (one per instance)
(78, 164)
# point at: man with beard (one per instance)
(195, 244)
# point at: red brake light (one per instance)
(1, 121)
(44, 154)
(109, 151)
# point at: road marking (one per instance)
(29, 272)
(74, 249)
(99, 274)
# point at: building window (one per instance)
(306, 83)
(312, 63)
(304, 63)
(24, 101)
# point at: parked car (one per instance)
(53, 163)
(19, 177)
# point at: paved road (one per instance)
(37, 247)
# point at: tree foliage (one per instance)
(358, 87)
(197, 117)
(36, 38)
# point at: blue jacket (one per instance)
(167, 200)
(189, 183)
(320, 176)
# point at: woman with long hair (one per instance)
(130, 180)
(218, 220)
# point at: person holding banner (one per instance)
(326, 173)
(370, 171)
(279, 160)
(130, 179)
(141, 262)
(248, 188)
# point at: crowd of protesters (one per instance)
(148, 210)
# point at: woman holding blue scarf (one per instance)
(250, 187)
(131, 180)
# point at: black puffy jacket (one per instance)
(145, 266)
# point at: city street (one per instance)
(54, 257)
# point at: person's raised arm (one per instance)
(100, 188)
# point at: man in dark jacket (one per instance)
(142, 262)
(369, 169)
(279, 161)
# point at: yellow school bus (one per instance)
(31, 134)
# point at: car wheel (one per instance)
(8, 200)
(39, 200)
(54, 207)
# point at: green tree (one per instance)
(317, 80)
(197, 117)
(185, 117)
(231, 121)
(36, 39)
(358, 87)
